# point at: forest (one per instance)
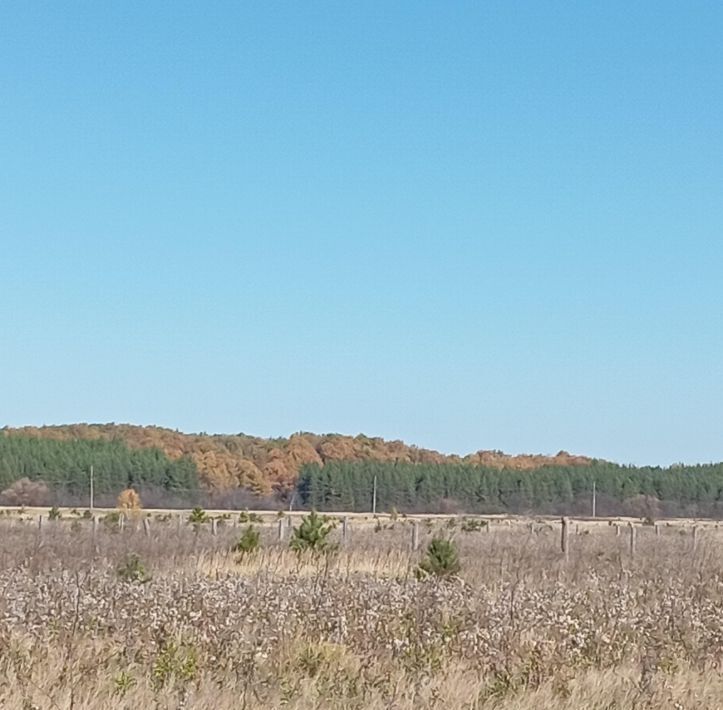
(268, 467)
(335, 472)
(64, 468)
(452, 488)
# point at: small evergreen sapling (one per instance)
(440, 560)
(249, 541)
(312, 534)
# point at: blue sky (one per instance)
(467, 225)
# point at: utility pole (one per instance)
(374, 497)
(594, 500)
(91, 488)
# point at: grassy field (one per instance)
(170, 617)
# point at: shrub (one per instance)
(198, 516)
(129, 501)
(313, 659)
(246, 517)
(248, 542)
(111, 519)
(441, 559)
(179, 662)
(122, 683)
(54, 513)
(642, 506)
(312, 534)
(132, 569)
(25, 492)
(473, 524)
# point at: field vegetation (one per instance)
(166, 614)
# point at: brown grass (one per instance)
(519, 628)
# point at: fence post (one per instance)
(40, 522)
(214, 526)
(617, 530)
(565, 538)
(657, 529)
(344, 529)
(121, 522)
(415, 536)
(695, 537)
(180, 522)
(95, 525)
(632, 539)
(281, 529)
(147, 527)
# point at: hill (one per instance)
(333, 472)
(272, 466)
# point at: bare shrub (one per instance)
(25, 492)
(642, 506)
(449, 506)
(129, 501)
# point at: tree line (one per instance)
(643, 491)
(64, 466)
(270, 467)
(348, 485)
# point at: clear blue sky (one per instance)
(467, 225)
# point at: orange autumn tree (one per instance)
(129, 502)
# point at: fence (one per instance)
(410, 531)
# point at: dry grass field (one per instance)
(168, 617)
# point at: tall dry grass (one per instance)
(519, 628)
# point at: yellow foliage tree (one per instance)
(129, 502)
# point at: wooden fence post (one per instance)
(657, 529)
(617, 530)
(40, 523)
(214, 526)
(695, 537)
(344, 529)
(633, 532)
(565, 538)
(415, 536)
(121, 522)
(147, 527)
(281, 529)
